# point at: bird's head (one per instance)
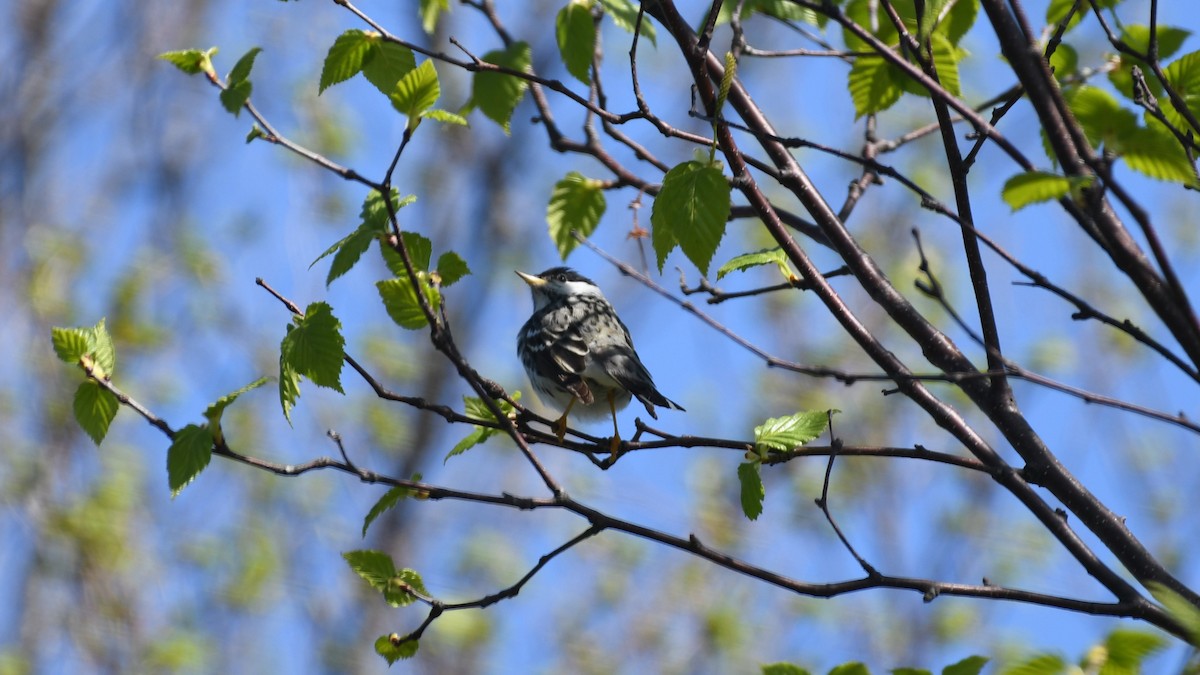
(558, 283)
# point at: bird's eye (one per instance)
(562, 278)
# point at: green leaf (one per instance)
(374, 212)
(1170, 39)
(70, 344)
(624, 15)
(213, 412)
(1155, 152)
(386, 64)
(400, 301)
(767, 256)
(102, 351)
(345, 58)
(1033, 187)
(576, 35)
(945, 59)
(1180, 609)
(852, 668)
(386, 503)
(241, 69)
(234, 96)
(190, 452)
(393, 647)
(497, 94)
(430, 11)
(577, 203)
(691, 211)
(255, 132)
(420, 251)
(95, 408)
(315, 347)
(349, 251)
(1183, 75)
(289, 387)
(956, 23)
(910, 671)
(1101, 117)
(1042, 664)
(378, 570)
(752, 493)
(1057, 11)
(783, 668)
(1064, 61)
(475, 407)
(445, 117)
(191, 61)
(873, 85)
(972, 665)
(786, 433)
(451, 267)
(1127, 649)
(416, 92)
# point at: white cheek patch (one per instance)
(581, 288)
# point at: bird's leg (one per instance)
(616, 439)
(560, 424)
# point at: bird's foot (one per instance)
(614, 444)
(560, 428)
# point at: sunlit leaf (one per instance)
(497, 94)
(315, 347)
(691, 211)
(577, 203)
(189, 454)
(575, 32)
(95, 408)
(786, 433)
(752, 491)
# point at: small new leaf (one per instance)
(767, 256)
(430, 11)
(314, 347)
(190, 452)
(102, 351)
(497, 94)
(577, 203)
(378, 570)
(783, 669)
(385, 503)
(786, 433)
(874, 85)
(416, 92)
(95, 408)
(576, 34)
(345, 58)
(972, 665)
(237, 86)
(70, 344)
(191, 61)
(691, 211)
(420, 252)
(624, 14)
(393, 647)
(475, 407)
(1180, 608)
(445, 117)
(386, 64)
(451, 267)
(289, 388)
(400, 301)
(851, 668)
(1034, 187)
(752, 491)
(213, 412)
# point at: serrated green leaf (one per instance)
(241, 69)
(1042, 664)
(451, 267)
(691, 210)
(374, 213)
(213, 412)
(70, 344)
(289, 388)
(1101, 117)
(190, 452)
(1057, 11)
(767, 256)
(235, 96)
(783, 668)
(577, 203)
(852, 668)
(624, 15)
(957, 22)
(102, 351)
(910, 671)
(378, 570)
(1033, 187)
(972, 665)
(1183, 74)
(576, 35)
(315, 347)
(752, 492)
(416, 92)
(1170, 39)
(873, 85)
(445, 117)
(1064, 61)
(400, 301)
(345, 58)
(868, 13)
(393, 647)
(1155, 152)
(475, 407)
(430, 11)
(386, 64)
(477, 436)
(385, 504)
(786, 433)
(497, 94)
(191, 61)
(349, 251)
(1126, 649)
(95, 408)
(420, 250)
(945, 59)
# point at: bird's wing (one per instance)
(561, 356)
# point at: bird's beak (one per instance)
(534, 282)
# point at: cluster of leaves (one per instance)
(777, 434)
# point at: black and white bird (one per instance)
(578, 353)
